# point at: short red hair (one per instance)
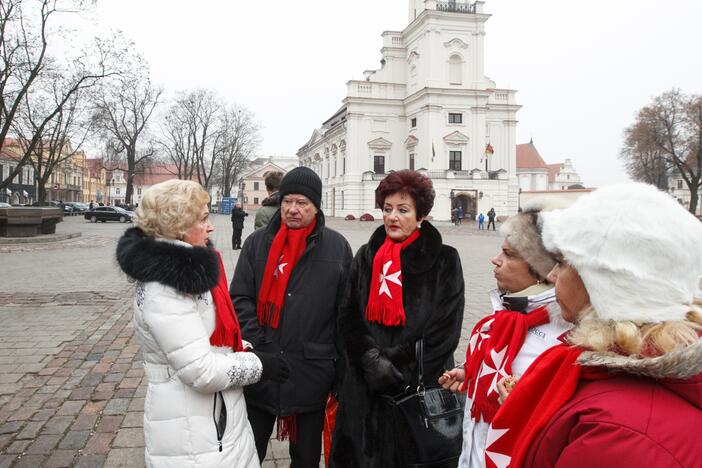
(414, 184)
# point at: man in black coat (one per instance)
(304, 331)
(238, 216)
(491, 219)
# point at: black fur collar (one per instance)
(190, 270)
(417, 257)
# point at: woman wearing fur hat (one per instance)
(626, 389)
(525, 322)
(194, 359)
(404, 284)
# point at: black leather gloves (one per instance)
(378, 371)
(400, 355)
(275, 368)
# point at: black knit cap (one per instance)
(304, 181)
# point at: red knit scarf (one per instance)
(227, 332)
(385, 295)
(495, 342)
(545, 387)
(287, 248)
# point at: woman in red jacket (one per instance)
(626, 388)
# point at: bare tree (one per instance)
(123, 108)
(240, 140)
(175, 143)
(191, 135)
(28, 74)
(642, 157)
(670, 132)
(51, 142)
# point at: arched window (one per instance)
(455, 69)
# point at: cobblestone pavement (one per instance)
(71, 382)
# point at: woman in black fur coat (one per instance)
(403, 284)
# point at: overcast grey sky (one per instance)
(582, 69)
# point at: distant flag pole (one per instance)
(489, 151)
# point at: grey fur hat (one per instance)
(523, 232)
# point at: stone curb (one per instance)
(39, 239)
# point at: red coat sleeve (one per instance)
(595, 443)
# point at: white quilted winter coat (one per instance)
(187, 377)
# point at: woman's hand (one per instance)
(505, 386)
(453, 379)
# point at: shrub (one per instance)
(367, 217)
(349, 217)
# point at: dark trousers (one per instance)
(306, 450)
(492, 221)
(236, 238)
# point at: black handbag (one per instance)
(434, 419)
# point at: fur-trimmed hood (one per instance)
(190, 270)
(680, 364)
(679, 371)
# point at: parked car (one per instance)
(108, 213)
(78, 208)
(5, 205)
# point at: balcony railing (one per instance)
(455, 7)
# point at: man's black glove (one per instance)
(378, 371)
(400, 355)
(275, 368)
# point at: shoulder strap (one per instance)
(419, 350)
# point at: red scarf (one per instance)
(287, 248)
(385, 295)
(494, 343)
(227, 332)
(546, 386)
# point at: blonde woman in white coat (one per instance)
(194, 359)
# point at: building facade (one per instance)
(536, 175)
(66, 179)
(252, 187)
(430, 108)
(563, 175)
(532, 170)
(95, 181)
(117, 186)
(21, 190)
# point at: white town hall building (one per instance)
(429, 108)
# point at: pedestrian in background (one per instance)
(270, 204)
(459, 215)
(286, 288)
(404, 284)
(525, 321)
(626, 389)
(481, 221)
(194, 358)
(491, 219)
(238, 216)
